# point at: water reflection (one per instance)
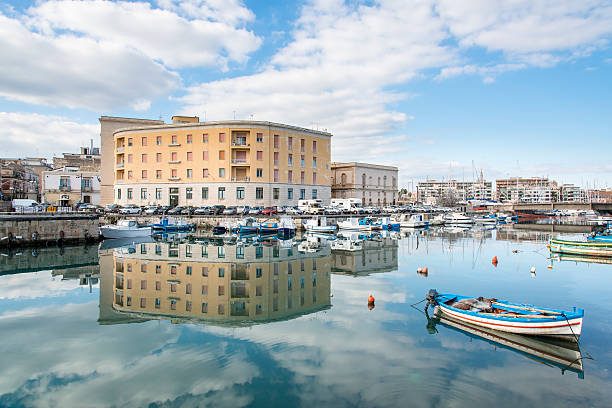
(222, 284)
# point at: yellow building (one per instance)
(208, 163)
(231, 284)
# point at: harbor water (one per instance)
(213, 322)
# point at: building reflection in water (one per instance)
(223, 284)
(375, 253)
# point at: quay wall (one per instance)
(43, 229)
(63, 260)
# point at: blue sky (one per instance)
(518, 87)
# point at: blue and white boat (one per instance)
(268, 227)
(286, 227)
(248, 225)
(509, 317)
(387, 224)
(173, 225)
(319, 224)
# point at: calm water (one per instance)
(218, 324)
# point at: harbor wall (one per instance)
(43, 229)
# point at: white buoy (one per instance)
(533, 269)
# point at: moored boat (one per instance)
(268, 227)
(354, 224)
(248, 225)
(509, 317)
(319, 224)
(458, 219)
(125, 229)
(173, 225)
(411, 220)
(286, 226)
(590, 248)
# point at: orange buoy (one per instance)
(425, 270)
(514, 251)
(370, 306)
(494, 261)
(371, 299)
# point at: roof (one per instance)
(368, 165)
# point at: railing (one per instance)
(120, 149)
(120, 165)
(240, 161)
(64, 188)
(241, 178)
(240, 144)
(86, 189)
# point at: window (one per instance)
(130, 174)
(221, 290)
(302, 145)
(314, 146)
(302, 160)
(188, 306)
(129, 193)
(205, 138)
(221, 137)
(157, 285)
(205, 193)
(158, 174)
(314, 162)
(240, 193)
(143, 157)
(290, 176)
(173, 157)
(363, 180)
(222, 172)
(205, 289)
(143, 284)
(204, 270)
(118, 194)
(314, 194)
(259, 155)
(189, 156)
(259, 173)
(204, 172)
(174, 173)
(144, 140)
(157, 303)
(290, 194)
(189, 173)
(276, 158)
(188, 289)
(290, 160)
(158, 140)
(276, 141)
(259, 193)
(130, 158)
(129, 284)
(130, 141)
(258, 290)
(302, 194)
(259, 137)
(143, 193)
(290, 143)
(143, 302)
(158, 157)
(221, 252)
(158, 193)
(204, 307)
(221, 154)
(276, 175)
(129, 301)
(275, 193)
(314, 177)
(275, 286)
(221, 309)
(258, 272)
(205, 155)
(289, 283)
(221, 193)
(189, 139)
(173, 287)
(189, 193)
(378, 182)
(385, 181)
(143, 174)
(302, 177)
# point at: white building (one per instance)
(68, 186)
(435, 192)
(373, 184)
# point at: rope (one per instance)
(589, 356)
(420, 301)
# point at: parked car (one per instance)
(293, 211)
(163, 209)
(243, 210)
(255, 211)
(187, 210)
(202, 211)
(230, 211)
(333, 211)
(281, 210)
(111, 208)
(153, 209)
(217, 209)
(269, 211)
(175, 211)
(130, 209)
(91, 208)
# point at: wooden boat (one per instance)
(248, 225)
(509, 317)
(173, 225)
(591, 248)
(268, 227)
(562, 354)
(319, 224)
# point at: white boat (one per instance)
(319, 224)
(125, 229)
(411, 220)
(487, 219)
(350, 242)
(354, 225)
(436, 220)
(458, 219)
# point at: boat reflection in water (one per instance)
(551, 352)
(580, 258)
(225, 284)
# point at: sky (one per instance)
(441, 88)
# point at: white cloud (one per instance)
(31, 134)
(34, 285)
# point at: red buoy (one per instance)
(371, 299)
(494, 261)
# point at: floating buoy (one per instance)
(533, 269)
(514, 251)
(549, 266)
(420, 270)
(371, 299)
(494, 261)
(370, 306)
(425, 270)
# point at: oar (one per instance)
(526, 308)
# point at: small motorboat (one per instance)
(457, 219)
(354, 224)
(590, 248)
(248, 225)
(125, 229)
(387, 223)
(173, 225)
(349, 244)
(286, 227)
(319, 224)
(222, 228)
(509, 317)
(411, 221)
(268, 227)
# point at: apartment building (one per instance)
(230, 284)
(68, 186)
(373, 184)
(528, 190)
(198, 163)
(434, 192)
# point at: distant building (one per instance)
(569, 193)
(373, 184)
(88, 159)
(527, 190)
(445, 192)
(20, 178)
(69, 186)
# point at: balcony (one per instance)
(120, 165)
(240, 162)
(64, 188)
(174, 144)
(240, 143)
(247, 178)
(174, 161)
(86, 189)
(120, 149)
(174, 178)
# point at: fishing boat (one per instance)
(509, 317)
(373, 222)
(386, 223)
(319, 224)
(590, 248)
(490, 219)
(173, 225)
(268, 227)
(562, 354)
(286, 227)
(125, 229)
(411, 220)
(457, 219)
(354, 224)
(247, 225)
(222, 228)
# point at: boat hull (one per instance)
(327, 229)
(112, 231)
(592, 248)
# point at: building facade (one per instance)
(373, 184)
(69, 186)
(527, 190)
(21, 178)
(230, 163)
(88, 159)
(445, 192)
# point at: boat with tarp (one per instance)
(509, 317)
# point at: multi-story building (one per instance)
(21, 178)
(376, 256)
(436, 192)
(208, 163)
(88, 159)
(230, 284)
(373, 184)
(69, 186)
(570, 193)
(529, 190)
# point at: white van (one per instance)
(24, 205)
(313, 206)
(346, 204)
